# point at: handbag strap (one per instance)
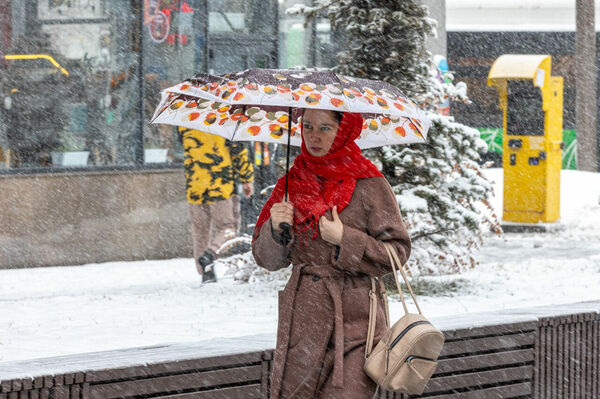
(386, 306)
(395, 262)
(372, 318)
(373, 313)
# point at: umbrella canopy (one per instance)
(264, 104)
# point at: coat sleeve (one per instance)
(268, 250)
(363, 251)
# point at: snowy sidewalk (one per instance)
(65, 310)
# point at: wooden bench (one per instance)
(543, 352)
(227, 368)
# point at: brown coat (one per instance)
(324, 308)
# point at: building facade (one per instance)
(83, 176)
(479, 32)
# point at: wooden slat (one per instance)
(489, 343)
(174, 383)
(44, 393)
(27, 383)
(16, 386)
(475, 379)
(498, 329)
(38, 382)
(173, 367)
(24, 395)
(564, 369)
(264, 379)
(60, 392)
(555, 384)
(596, 359)
(6, 386)
(506, 391)
(538, 361)
(68, 378)
(244, 392)
(578, 360)
(586, 349)
(75, 391)
(61, 380)
(571, 355)
(482, 361)
(34, 394)
(85, 391)
(48, 381)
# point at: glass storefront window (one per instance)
(241, 16)
(68, 83)
(79, 81)
(309, 45)
(173, 41)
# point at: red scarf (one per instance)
(316, 184)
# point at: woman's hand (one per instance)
(332, 230)
(281, 212)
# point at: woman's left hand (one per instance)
(332, 230)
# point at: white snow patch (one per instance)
(66, 310)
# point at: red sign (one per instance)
(159, 27)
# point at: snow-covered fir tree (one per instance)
(441, 191)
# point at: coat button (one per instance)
(316, 278)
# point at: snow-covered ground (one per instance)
(63, 310)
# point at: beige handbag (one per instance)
(406, 357)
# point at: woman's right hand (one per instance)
(281, 212)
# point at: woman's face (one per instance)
(319, 128)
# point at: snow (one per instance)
(68, 310)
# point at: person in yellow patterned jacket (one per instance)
(213, 166)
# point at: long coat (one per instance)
(324, 308)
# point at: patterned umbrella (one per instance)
(266, 104)
(256, 105)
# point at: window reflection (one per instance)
(74, 82)
(67, 78)
(241, 16)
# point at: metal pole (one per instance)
(138, 155)
(586, 87)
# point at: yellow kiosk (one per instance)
(532, 103)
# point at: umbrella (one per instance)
(266, 104)
(253, 105)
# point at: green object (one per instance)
(493, 138)
(569, 154)
(295, 46)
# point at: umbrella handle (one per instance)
(285, 234)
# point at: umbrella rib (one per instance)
(237, 125)
(164, 108)
(343, 93)
(416, 125)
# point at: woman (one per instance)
(342, 209)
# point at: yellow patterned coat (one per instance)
(212, 166)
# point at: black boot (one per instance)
(206, 262)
